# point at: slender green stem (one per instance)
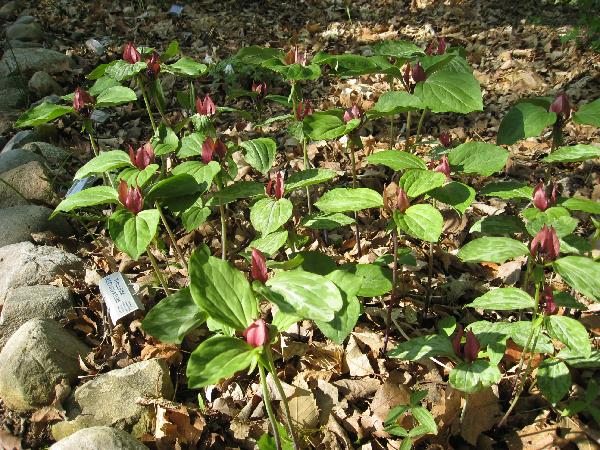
(157, 271)
(348, 13)
(392, 133)
(429, 275)
(223, 215)
(268, 406)
(390, 306)
(407, 143)
(293, 95)
(420, 126)
(286, 406)
(108, 179)
(146, 102)
(306, 167)
(354, 184)
(171, 236)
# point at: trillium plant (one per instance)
(191, 168)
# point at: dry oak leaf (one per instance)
(482, 411)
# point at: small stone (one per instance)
(15, 158)
(25, 183)
(27, 32)
(96, 438)
(20, 139)
(8, 10)
(37, 357)
(31, 60)
(51, 153)
(18, 222)
(110, 399)
(33, 302)
(43, 84)
(12, 99)
(25, 264)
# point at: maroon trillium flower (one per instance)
(81, 102)
(470, 349)
(210, 147)
(402, 201)
(294, 56)
(352, 113)
(206, 107)
(259, 266)
(303, 109)
(142, 157)
(418, 73)
(275, 188)
(561, 105)
(130, 53)
(541, 199)
(153, 66)
(548, 298)
(131, 197)
(445, 139)
(443, 166)
(546, 244)
(257, 333)
(259, 88)
(437, 47)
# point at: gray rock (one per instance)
(43, 84)
(54, 155)
(15, 158)
(9, 9)
(99, 438)
(18, 222)
(12, 99)
(25, 264)
(31, 60)
(27, 32)
(33, 302)
(13, 81)
(14, 43)
(25, 184)
(110, 399)
(20, 139)
(25, 19)
(37, 357)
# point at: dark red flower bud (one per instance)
(472, 347)
(257, 333)
(206, 107)
(443, 166)
(445, 139)
(130, 53)
(259, 266)
(210, 147)
(294, 56)
(541, 199)
(303, 109)
(352, 113)
(259, 88)
(548, 298)
(418, 73)
(561, 105)
(437, 47)
(275, 188)
(153, 66)
(456, 345)
(142, 157)
(402, 201)
(130, 197)
(441, 48)
(82, 100)
(545, 244)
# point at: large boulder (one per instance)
(20, 138)
(110, 399)
(37, 357)
(12, 99)
(33, 302)
(43, 84)
(25, 264)
(18, 222)
(25, 184)
(99, 438)
(54, 155)
(27, 32)
(31, 60)
(16, 157)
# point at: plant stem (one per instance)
(429, 277)
(286, 406)
(306, 167)
(420, 125)
(223, 214)
(354, 183)
(407, 143)
(158, 272)
(388, 321)
(171, 236)
(348, 13)
(147, 103)
(105, 175)
(268, 406)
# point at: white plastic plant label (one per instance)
(118, 296)
(176, 10)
